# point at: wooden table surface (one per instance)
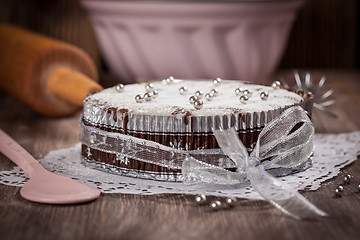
(120, 216)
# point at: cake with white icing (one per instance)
(183, 113)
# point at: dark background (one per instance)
(324, 36)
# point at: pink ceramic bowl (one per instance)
(192, 39)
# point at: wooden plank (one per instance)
(173, 216)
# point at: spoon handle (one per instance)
(10, 148)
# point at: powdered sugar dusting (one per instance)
(169, 98)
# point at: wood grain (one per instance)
(324, 36)
(176, 216)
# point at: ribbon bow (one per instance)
(285, 142)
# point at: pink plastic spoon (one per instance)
(44, 186)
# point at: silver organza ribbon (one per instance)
(279, 146)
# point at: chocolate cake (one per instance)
(179, 114)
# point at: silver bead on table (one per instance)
(139, 98)
(347, 179)
(215, 205)
(238, 91)
(183, 90)
(276, 85)
(198, 104)
(217, 81)
(119, 87)
(192, 99)
(214, 92)
(338, 191)
(230, 201)
(147, 96)
(247, 92)
(358, 187)
(209, 96)
(149, 87)
(199, 94)
(200, 199)
(264, 95)
(243, 99)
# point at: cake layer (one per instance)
(183, 140)
(171, 111)
(163, 113)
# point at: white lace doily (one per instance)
(332, 152)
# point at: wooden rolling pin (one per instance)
(50, 76)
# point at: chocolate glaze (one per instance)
(110, 159)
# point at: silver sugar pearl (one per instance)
(183, 90)
(147, 96)
(119, 87)
(243, 99)
(155, 93)
(214, 92)
(338, 191)
(149, 87)
(238, 91)
(209, 96)
(192, 99)
(199, 94)
(276, 85)
(247, 92)
(139, 98)
(347, 179)
(215, 205)
(200, 199)
(217, 81)
(264, 95)
(230, 201)
(198, 104)
(358, 187)
(169, 80)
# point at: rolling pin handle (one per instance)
(70, 85)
